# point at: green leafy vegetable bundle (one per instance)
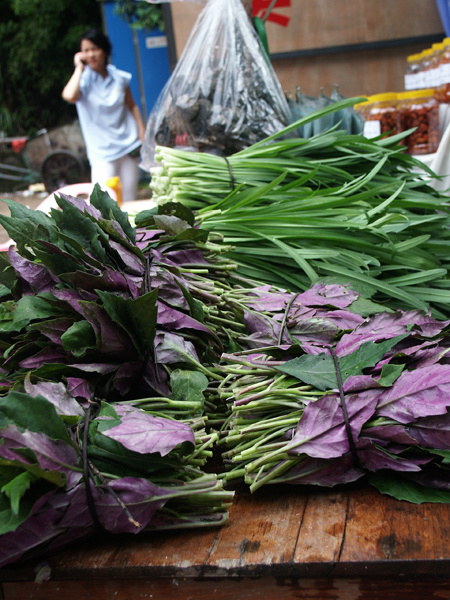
(134, 358)
(324, 396)
(335, 205)
(105, 356)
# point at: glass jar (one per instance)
(420, 110)
(427, 56)
(413, 72)
(381, 115)
(434, 71)
(444, 69)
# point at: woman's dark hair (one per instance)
(98, 38)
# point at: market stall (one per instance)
(349, 543)
(244, 390)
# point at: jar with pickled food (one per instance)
(381, 115)
(444, 73)
(413, 73)
(420, 110)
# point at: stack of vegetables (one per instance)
(335, 205)
(324, 396)
(104, 365)
(147, 368)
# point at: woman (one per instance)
(111, 121)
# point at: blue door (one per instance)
(144, 54)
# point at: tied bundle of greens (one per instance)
(336, 205)
(324, 396)
(105, 356)
(140, 375)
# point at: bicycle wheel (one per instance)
(61, 168)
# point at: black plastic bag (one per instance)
(223, 95)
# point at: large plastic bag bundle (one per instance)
(349, 118)
(300, 107)
(223, 95)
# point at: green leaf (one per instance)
(10, 521)
(79, 338)
(16, 488)
(320, 370)
(195, 306)
(23, 224)
(137, 316)
(106, 418)
(393, 484)
(32, 308)
(188, 385)
(35, 414)
(109, 208)
(389, 374)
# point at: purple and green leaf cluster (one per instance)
(131, 356)
(313, 360)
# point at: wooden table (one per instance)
(283, 544)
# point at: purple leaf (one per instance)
(140, 496)
(101, 368)
(172, 319)
(262, 330)
(45, 356)
(133, 263)
(53, 329)
(385, 326)
(82, 205)
(265, 299)
(171, 348)
(374, 458)
(107, 280)
(315, 330)
(186, 258)
(336, 295)
(78, 388)
(74, 297)
(385, 434)
(321, 432)
(55, 457)
(327, 473)
(144, 433)
(111, 337)
(432, 432)
(36, 275)
(144, 236)
(417, 393)
(57, 394)
(37, 530)
(343, 319)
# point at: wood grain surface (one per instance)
(286, 543)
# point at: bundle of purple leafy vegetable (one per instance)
(142, 376)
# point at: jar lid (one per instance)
(385, 97)
(424, 93)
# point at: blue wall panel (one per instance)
(144, 54)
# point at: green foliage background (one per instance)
(38, 39)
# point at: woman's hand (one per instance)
(79, 60)
(71, 93)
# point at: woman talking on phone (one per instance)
(110, 120)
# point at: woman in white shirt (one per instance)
(111, 121)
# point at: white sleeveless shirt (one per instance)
(109, 129)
